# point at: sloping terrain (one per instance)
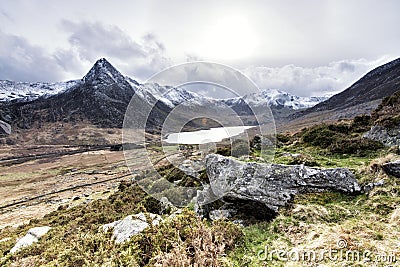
(363, 97)
(377, 84)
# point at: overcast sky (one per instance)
(307, 47)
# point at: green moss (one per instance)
(321, 136)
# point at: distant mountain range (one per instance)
(103, 94)
(171, 96)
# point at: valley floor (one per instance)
(35, 187)
(77, 194)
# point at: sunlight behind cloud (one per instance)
(230, 37)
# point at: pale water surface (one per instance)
(205, 136)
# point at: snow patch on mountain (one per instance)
(277, 98)
(171, 96)
(103, 72)
(24, 91)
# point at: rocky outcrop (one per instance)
(259, 190)
(31, 237)
(131, 225)
(389, 136)
(392, 168)
(5, 128)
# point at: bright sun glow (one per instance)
(231, 37)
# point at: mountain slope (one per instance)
(101, 97)
(381, 82)
(22, 91)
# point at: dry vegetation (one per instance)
(314, 223)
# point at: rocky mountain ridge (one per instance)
(377, 84)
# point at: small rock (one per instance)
(221, 214)
(174, 214)
(31, 237)
(167, 206)
(87, 201)
(392, 168)
(131, 225)
(367, 188)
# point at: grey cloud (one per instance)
(139, 59)
(209, 79)
(94, 39)
(313, 81)
(152, 41)
(22, 61)
(6, 15)
(192, 57)
(347, 66)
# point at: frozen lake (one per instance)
(205, 136)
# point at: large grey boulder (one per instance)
(387, 136)
(31, 237)
(392, 168)
(131, 225)
(260, 189)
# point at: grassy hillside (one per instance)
(327, 228)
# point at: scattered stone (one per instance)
(167, 206)
(367, 188)
(258, 190)
(221, 214)
(31, 237)
(191, 167)
(176, 183)
(392, 168)
(131, 225)
(174, 214)
(87, 201)
(387, 136)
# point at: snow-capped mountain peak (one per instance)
(103, 72)
(277, 98)
(170, 95)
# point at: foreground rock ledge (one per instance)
(259, 190)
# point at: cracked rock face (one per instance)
(392, 168)
(387, 136)
(260, 189)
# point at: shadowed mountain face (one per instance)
(377, 84)
(101, 97)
